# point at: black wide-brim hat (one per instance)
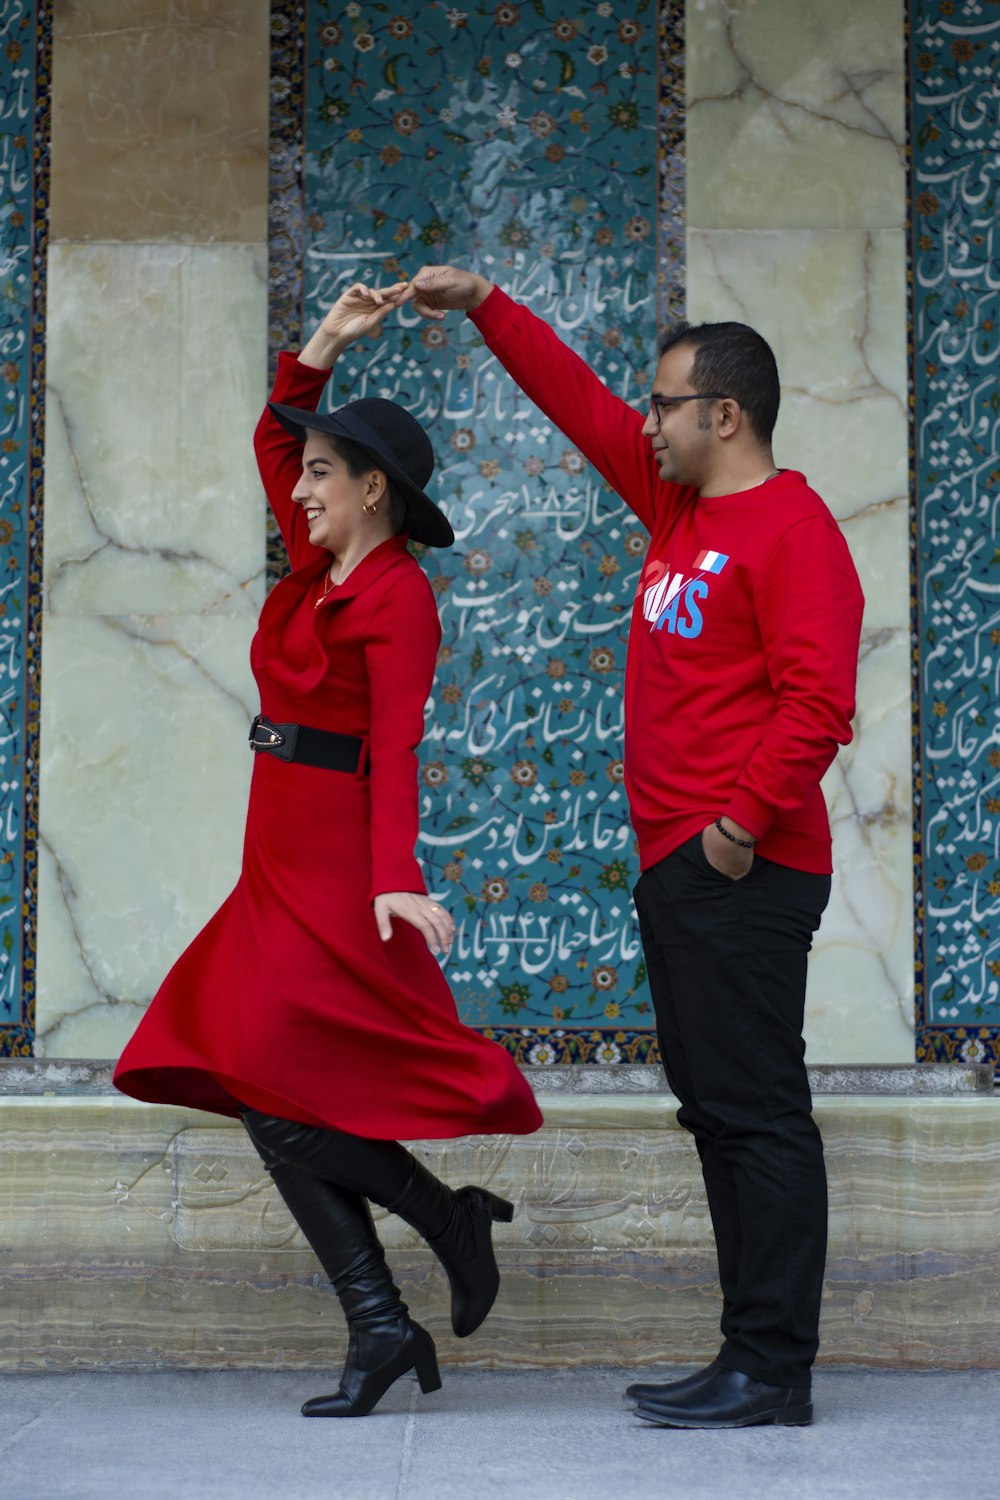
(398, 445)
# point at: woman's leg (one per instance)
(383, 1342)
(456, 1224)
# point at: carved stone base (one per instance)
(139, 1236)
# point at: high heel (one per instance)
(501, 1212)
(465, 1249)
(378, 1353)
(425, 1363)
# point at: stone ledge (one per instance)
(139, 1236)
(824, 1078)
(24, 1076)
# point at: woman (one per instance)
(311, 1005)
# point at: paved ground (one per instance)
(488, 1435)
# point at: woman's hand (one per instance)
(421, 912)
(358, 311)
(361, 310)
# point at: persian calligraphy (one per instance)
(24, 54)
(955, 134)
(521, 142)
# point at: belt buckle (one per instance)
(276, 739)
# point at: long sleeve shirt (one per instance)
(743, 647)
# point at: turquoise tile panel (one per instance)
(543, 147)
(25, 62)
(955, 360)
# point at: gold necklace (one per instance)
(331, 583)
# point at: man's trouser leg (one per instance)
(727, 969)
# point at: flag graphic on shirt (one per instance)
(672, 602)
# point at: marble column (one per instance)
(796, 212)
(154, 516)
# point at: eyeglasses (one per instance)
(659, 404)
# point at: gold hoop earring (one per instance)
(370, 510)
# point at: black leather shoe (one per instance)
(730, 1399)
(666, 1389)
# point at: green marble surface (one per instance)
(142, 1236)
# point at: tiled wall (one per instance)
(532, 147)
(955, 363)
(25, 59)
(154, 528)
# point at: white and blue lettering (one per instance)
(671, 601)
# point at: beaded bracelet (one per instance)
(743, 843)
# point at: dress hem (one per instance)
(242, 1094)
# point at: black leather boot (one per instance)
(384, 1343)
(458, 1227)
(456, 1224)
(381, 1347)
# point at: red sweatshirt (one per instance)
(743, 647)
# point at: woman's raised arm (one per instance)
(300, 382)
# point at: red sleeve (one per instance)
(809, 606)
(400, 654)
(279, 454)
(604, 428)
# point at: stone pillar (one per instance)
(796, 211)
(154, 516)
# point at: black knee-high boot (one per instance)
(457, 1225)
(383, 1341)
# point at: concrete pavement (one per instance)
(488, 1435)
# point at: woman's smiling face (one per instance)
(331, 497)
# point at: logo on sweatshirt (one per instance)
(672, 602)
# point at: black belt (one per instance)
(312, 747)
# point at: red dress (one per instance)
(288, 1000)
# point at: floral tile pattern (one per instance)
(545, 148)
(955, 360)
(25, 59)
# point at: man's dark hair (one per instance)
(733, 359)
(357, 462)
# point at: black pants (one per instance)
(727, 970)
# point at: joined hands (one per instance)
(436, 290)
(361, 310)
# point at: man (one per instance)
(739, 687)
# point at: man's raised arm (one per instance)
(604, 428)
